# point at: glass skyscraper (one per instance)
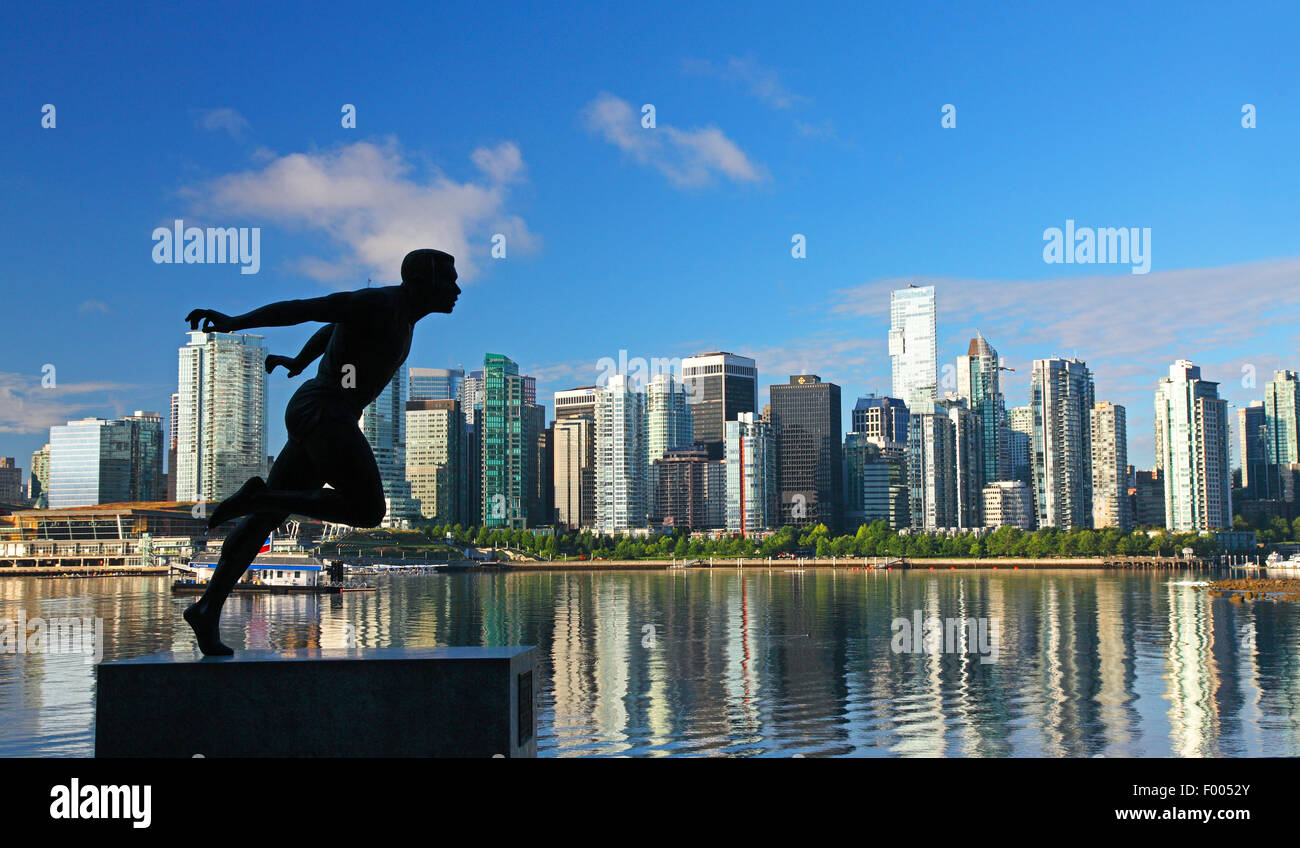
(720, 386)
(383, 423)
(434, 383)
(979, 381)
(221, 415)
(96, 461)
(508, 444)
(912, 351)
(805, 416)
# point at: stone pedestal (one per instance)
(386, 702)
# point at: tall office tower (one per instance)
(383, 423)
(574, 465)
(750, 449)
(147, 437)
(508, 445)
(1149, 499)
(542, 507)
(621, 467)
(1061, 396)
(434, 383)
(1252, 428)
(809, 452)
(173, 425)
(1110, 501)
(90, 463)
(221, 415)
(875, 482)
(1192, 436)
(932, 470)
(968, 466)
(38, 486)
(912, 347)
(435, 459)
(882, 419)
(686, 491)
(11, 481)
(1281, 433)
(1009, 503)
(574, 469)
(576, 403)
(979, 381)
(719, 387)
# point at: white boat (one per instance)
(1275, 564)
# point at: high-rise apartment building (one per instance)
(221, 415)
(173, 427)
(752, 504)
(1110, 500)
(38, 485)
(1061, 399)
(1281, 432)
(1191, 424)
(621, 451)
(932, 470)
(810, 471)
(968, 467)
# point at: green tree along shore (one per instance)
(870, 540)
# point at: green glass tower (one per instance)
(508, 444)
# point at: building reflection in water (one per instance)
(769, 662)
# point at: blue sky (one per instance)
(771, 120)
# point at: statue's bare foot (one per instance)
(207, 630)
(238, 504)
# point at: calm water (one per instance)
(759, 663)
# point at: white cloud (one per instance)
(28, 407)
(762, 82)
(367, 198)
(93, 306)
(225, 120)
(688, 158)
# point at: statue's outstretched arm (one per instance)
(314, 348)
(340, 306)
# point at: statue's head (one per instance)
(431, 277)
